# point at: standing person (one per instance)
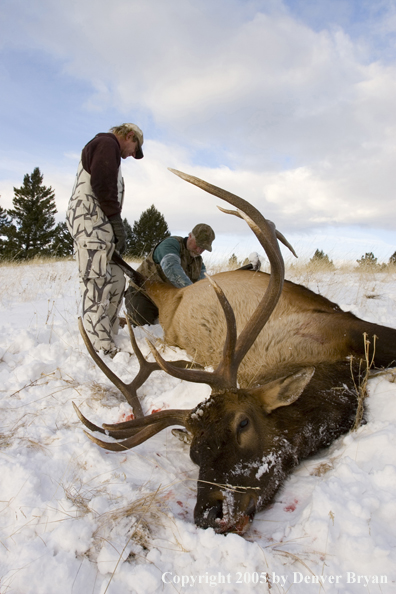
(94, 221)
(175, 260)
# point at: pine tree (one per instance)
(63, 244)
(130, 241)
(392, 259)
(367, 261)
(321, 259)
(233, 262)
(149, 230)
(33, 216)
(4, 220)
(5, 231)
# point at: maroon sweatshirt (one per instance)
(101, 158)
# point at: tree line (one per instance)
(367, 262)
(28, 229)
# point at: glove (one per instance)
(255, 261)
(119, 233)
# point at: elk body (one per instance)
(304, 328)
(298, 358)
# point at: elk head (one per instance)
(236, 446)
(234, 433)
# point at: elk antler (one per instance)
(267, 235)
(146, 368)
(223, 376)
(136, 431)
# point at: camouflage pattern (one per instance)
(102, 283)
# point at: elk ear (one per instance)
(284, 390)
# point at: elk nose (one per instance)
(210, 515)
(215, 514)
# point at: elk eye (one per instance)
(244, 423)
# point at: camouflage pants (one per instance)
(101, 303)
(102, 283)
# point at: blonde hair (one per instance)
(124, 129)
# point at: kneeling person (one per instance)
(175, 260)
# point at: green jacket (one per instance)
(170, 261)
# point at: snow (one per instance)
(77, 519)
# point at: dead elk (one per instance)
(300, 397)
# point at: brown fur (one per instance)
(304, 329)
(297, 389)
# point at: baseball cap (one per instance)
(204, 236)
(139, 136)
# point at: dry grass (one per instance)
(36, 280)
(18, 433)
(138, 518)
(37, 261)
(134, 262)
(134, 521)
(305, 269)
(322, 469)
(217, 265)
(108, 396)
(361, 386)
(127, 529)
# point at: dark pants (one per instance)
(140, 309)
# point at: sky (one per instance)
(289, 104)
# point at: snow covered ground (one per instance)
(75, 519)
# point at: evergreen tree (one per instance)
(33, 216)
(149, 230)
(233, 262)
(5, 232)
(63, 244)
(129, 241)
(392, 259)
(367, 261)
(4, 220)
(321, 259)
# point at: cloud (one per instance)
(264, 99)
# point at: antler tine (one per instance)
(271, 296)
(134, 432)
(283, 240)
(146, 368)
(85, 421)
(279, 235)
(128, 390)
(246, 209)
(225, 376)
(173, 416)
(227, 368)
(131, 442)
(134, 344)
(197, 376)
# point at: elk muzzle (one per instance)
(225, 510)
